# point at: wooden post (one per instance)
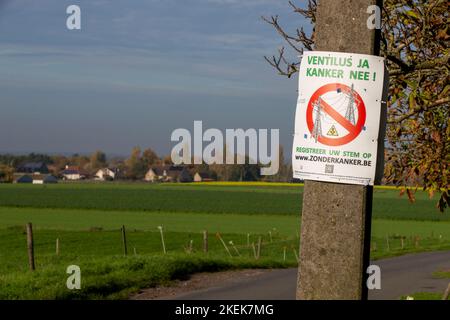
(57, 246)
(205, 241)
(30, 246)
(124, 241)
(387, 243)
(258, 252)
(191, 245)
(336, 218)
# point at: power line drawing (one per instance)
(345, 102)
(350, 112)
(317, 129)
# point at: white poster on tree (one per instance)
(337, 121)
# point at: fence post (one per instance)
(205, 241)
(124, 241)
(30, 246)
(258, 253)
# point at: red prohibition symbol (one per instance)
(353, 129)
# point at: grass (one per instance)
(114, 277)
(76, 219)
(109, 243)
(203, 198)
(86, 218)
(441, 274)
(108, 274)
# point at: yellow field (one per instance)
(273, 184)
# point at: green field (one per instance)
(86, 218)
(203, 198)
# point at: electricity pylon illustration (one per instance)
(350, 112)
(317, 129)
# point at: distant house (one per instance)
(44, 179)
(33, 167)
(202, 177)
(179, 174)
(106, 174)
(72, 173)
(53, 169)
(22, 178)
(155, 174)
(168, 174)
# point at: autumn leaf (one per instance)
(413, 14)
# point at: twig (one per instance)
(234, 247)
(446, 293)
(254, 250)
(224, 244)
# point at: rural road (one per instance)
(399, 276)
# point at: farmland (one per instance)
(86, 218)
(227, 198)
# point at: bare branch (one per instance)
(275, 62)
(289, 39)
(309, 13)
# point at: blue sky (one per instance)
(137, 70)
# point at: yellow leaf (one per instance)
(412, 14)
